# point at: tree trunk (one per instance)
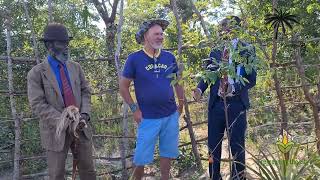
(110, 41)
(318, 87)
(283, 109)
(225, 106)
(124, 141)
(110, 45)
(50, 17)
(35, 45)
(17, 130)
(108, 21)
(186, 107)
(110, 37)
(192, 136)
(176, 15)
(274, 4)
(206, 32)
(308, 96)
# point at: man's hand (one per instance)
(137, 116)
(225, 88)
(82, 124)
(196, 94)
(84, 118)
(229, 88)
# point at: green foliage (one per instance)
(90, 43)
(186, 159)
(7, 144)
(30, 145)
(247, 59)
(280, 167)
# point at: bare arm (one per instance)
(180, 94)
(125, 94)
(124, 90)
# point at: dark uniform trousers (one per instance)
(216, 127)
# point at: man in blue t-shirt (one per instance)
(156, 113)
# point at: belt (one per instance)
(230, 98)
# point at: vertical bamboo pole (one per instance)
(186, 107)
(17, 130)
(124, 141)
(34, 40)
(50, 9)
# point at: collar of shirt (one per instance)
(54, 62)
(151, 55)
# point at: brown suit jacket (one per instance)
(47, 102)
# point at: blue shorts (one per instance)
(149, 131)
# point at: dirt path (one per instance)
(225, 165)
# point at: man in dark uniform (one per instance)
(54, 85)
(237, 99)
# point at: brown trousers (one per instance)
(56, 160)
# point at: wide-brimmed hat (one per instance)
(55, 32)
(231, 20)
(145, 26)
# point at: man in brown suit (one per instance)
(54, 85)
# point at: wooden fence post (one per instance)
(34, 40)
(17, 130)
(50, 18)
(186, 107)
(124, 141)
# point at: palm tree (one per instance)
(281, 18)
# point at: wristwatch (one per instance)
(133, 107)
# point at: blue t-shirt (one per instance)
(153, 91)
